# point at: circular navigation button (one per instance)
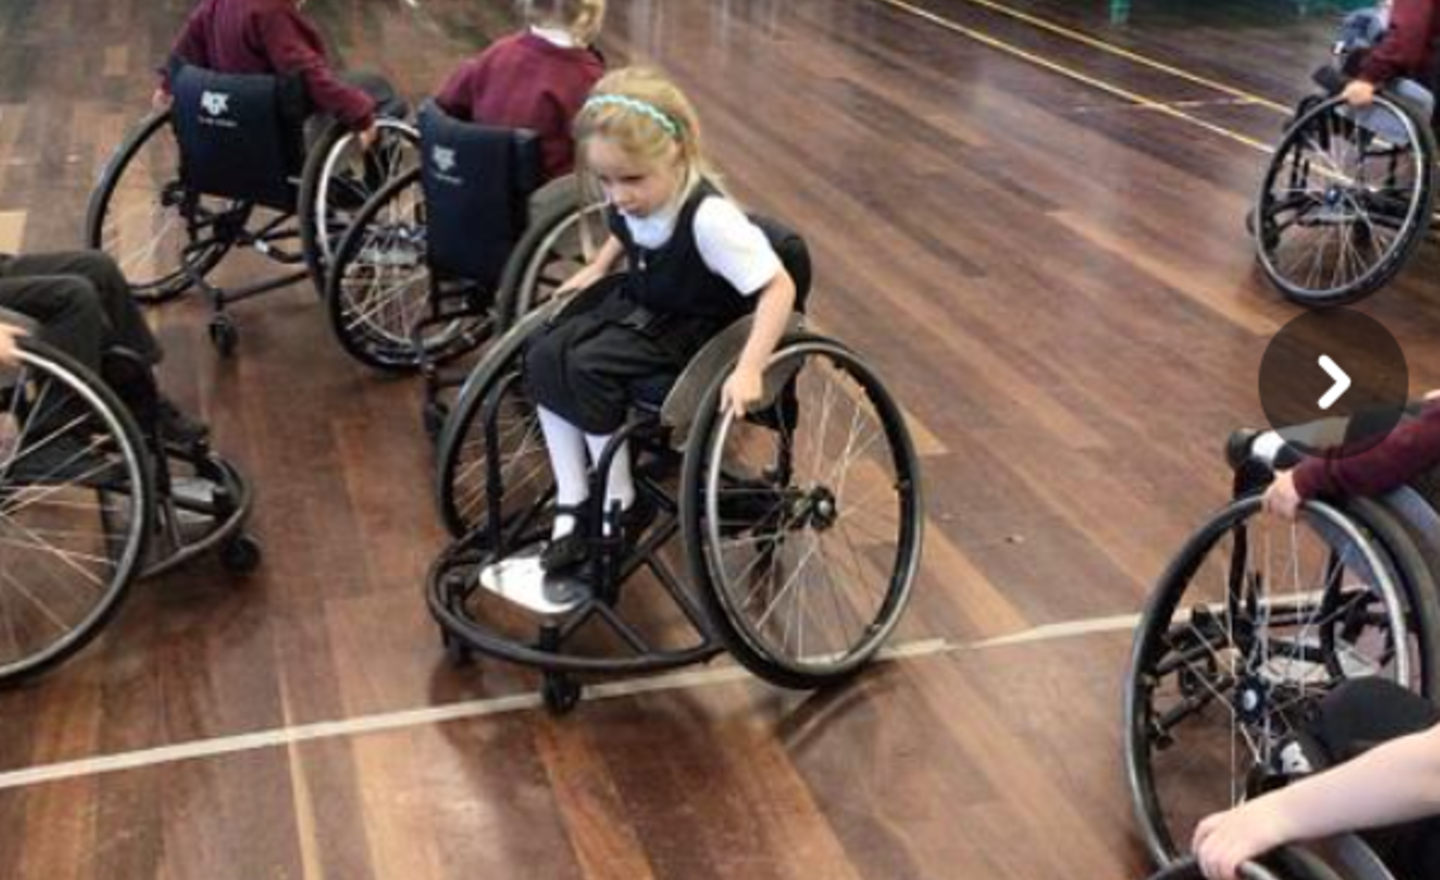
(1333, 381)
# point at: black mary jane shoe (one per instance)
(569, 552)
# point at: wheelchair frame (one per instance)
(215, 226)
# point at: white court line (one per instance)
(412, 718)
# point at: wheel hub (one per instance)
(819, 509)
(1251, 700)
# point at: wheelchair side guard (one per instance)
(709, 366)
(25, 322)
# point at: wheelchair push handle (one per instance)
(1189, 869)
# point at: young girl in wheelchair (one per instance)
(695, 264)
(1383, 737)
(273, 37)
(536, 79)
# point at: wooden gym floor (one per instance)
(1026, 216)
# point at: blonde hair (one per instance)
(648, 118)
(582, 18)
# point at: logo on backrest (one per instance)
(444, 159)
(215, 103)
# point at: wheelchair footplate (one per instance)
(518, 578)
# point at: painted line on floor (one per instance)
(433, 715)
(1109, 48)
(998, 44)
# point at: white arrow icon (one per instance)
(1342, 381)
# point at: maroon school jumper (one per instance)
(1405, 51)
(270, 36)
(1411, 449)
(525, 81)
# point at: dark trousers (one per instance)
(82, 302)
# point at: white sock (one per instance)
(566, 444)
(621, 485)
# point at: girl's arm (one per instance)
(596, 269)
(1396, 782)
(746, 385)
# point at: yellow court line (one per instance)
(1121, 52)
(1055, 67)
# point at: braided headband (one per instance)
(663, 119)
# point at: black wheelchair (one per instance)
(800, 523)
(90, 502)
(1346, 857)
(227, 167)
(1255, 620)
(446, 255)
(1349, 193)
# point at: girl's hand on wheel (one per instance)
(1359, 93)
(1225, 841)
(9, 343)
(1281, 499)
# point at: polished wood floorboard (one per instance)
(1053, 279)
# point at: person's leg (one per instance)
(68, 310)
(126, 325)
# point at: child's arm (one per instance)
(189, 47)
(1394, 783)
(294, 47)
(596, 269)
(9, 342)
(746, 385)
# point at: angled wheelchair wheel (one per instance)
(493, 466)
(803, 522)
(382, 296)
(76, 501)
(162, 235)
(1253, 622)
(339, 177)
(1290, 863)
(1346, 199)
(557, 243)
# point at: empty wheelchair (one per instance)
(1347, 857)
(227, 167)
(1349, 193)
(89, 502)
(799, 524)
(446, 255)
(1255, 620)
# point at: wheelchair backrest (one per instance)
(478, 180)
(241, 135)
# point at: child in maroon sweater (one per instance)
(1405, 51)
(270, 36)
(536, 79)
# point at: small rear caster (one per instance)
(434, 418)
(560, 692)
(240, 555)
(457, 653)
(223, 335)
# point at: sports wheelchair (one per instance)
(90, 502)
(226, 167)
(1349, 193)
(800, 523)
(446, 255)
(1255, 620)
(1347, 857)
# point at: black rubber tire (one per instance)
(737, 635)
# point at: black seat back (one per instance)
(794, 256)
(241, 135)
(478, 180)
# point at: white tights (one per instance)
(571, 453)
